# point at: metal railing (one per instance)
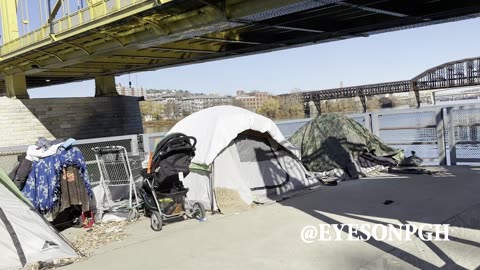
(441, 135)
(76, 19)
(289, 127)
(150, 140)
(419, 130)
(463, 123)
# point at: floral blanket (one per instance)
(42, 187)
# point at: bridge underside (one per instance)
(150, 36)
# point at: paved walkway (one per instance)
(268, 237)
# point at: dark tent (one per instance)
(334, 141)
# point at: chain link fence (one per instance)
(466, 132)
(413, 130)
(9, 156)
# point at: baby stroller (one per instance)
(163, 192)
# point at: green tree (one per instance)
(186, 113)
(270, 108)
(291, 107)
(373, 103)
(151, 109)
(385, 102)
(172, 110)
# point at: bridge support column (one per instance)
(306, 109)
(363, 99)
(318, 106)
(16, 86)
(105, 86)
(417, 97)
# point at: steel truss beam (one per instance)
(461, 73)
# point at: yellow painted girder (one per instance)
(136, 36)
(8, 13)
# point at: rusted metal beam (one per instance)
(461, 73)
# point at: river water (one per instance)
(410, 131)
(149, 130)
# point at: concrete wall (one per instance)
(23, 121)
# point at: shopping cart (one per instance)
(116, 176)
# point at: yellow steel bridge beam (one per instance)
(154, 31)
(16, 85)
(8, 12)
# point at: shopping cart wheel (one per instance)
(133, 214)
(98, 217)
(156, 221)
(198, 211)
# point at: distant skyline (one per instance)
(393, 56)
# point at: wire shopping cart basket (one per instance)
(118, 191)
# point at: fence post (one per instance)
(367, 119)
(134, 144)
(439, 118)
(375, 123)
(451, 137)
(141, 148)
(146, 143)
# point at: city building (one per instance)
(127, 91)
(253, 100)
(193, 104)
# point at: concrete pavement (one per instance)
(269, 237)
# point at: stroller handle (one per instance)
(194, 140)
(173, 138)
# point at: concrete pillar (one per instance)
(8, 13)
(105, 86)
(16, 86)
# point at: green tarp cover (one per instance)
(334, 141)
(8, 183)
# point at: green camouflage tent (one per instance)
(334, 141)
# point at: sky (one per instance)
(379, 58)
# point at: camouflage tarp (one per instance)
(334, 141)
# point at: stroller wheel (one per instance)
(156, 221)
(198, 211)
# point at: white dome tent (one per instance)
(241, 151)
(25, 236)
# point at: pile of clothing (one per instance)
(53, 176)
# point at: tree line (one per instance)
(279, 107)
